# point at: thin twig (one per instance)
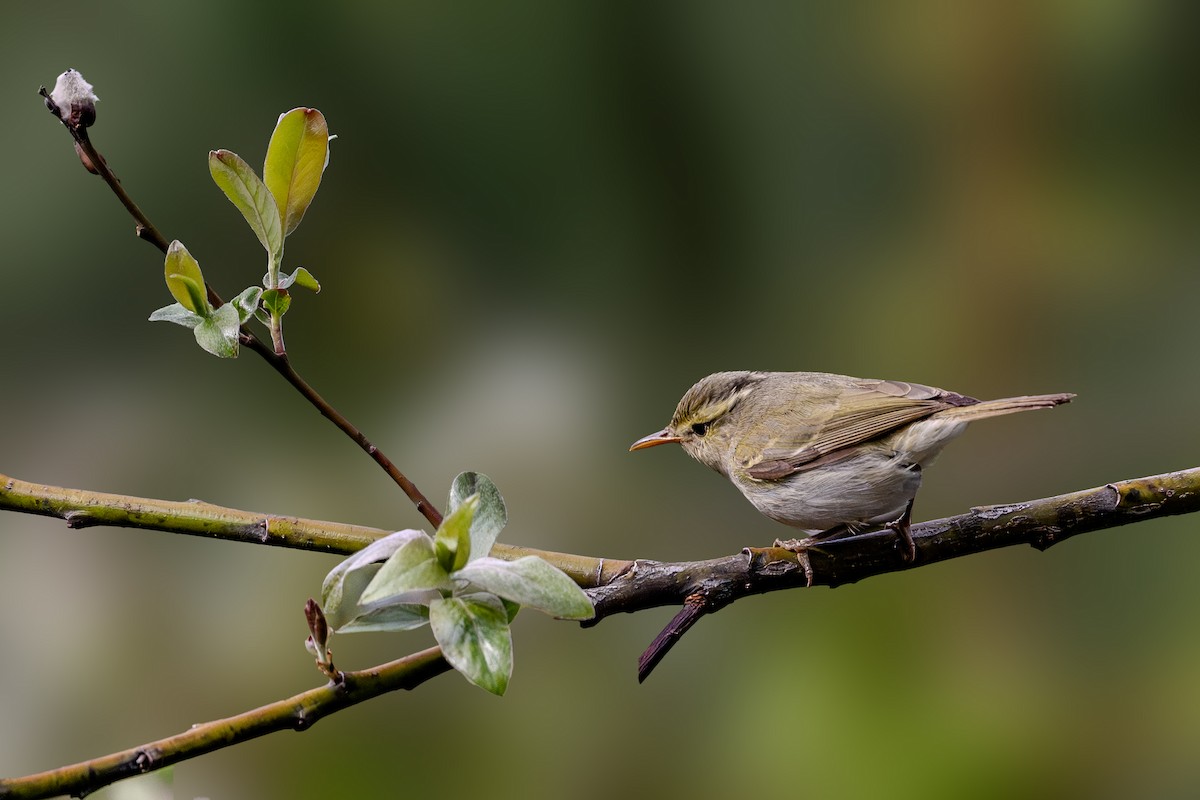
(299, 712)
(279, 361)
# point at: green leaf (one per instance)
(531, 582)
(511, 608)
(246, 190)
(276, 301)
(190, 289)
(391, 617)
(301, 277)
(475, 638)
(177, 314)
(219, 333)
(185, 280)
(345, 583)
(339, 596)
(296, 159)
(453, 539)
(246, 303)
(412, 568)
(491, 516)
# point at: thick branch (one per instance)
(625, 586)
(298, 713)
(708, 586)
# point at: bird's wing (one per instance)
(863, 410)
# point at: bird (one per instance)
(831, 455)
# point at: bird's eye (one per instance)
(699, 428)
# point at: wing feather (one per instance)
(865, 410)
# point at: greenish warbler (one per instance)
(829, 454)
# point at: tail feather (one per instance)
(1006, 405)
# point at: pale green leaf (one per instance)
(246, 190)
(453, 539)
(531, 582)
(210, 337)
(391, 617)
(301, 277)
(219, 333)
(344, 584)
(184, 279)
(490, 517)
(247, 303)
(177, 314)
(296, 159)
(413, 567)
(340, 593)
(475, 638)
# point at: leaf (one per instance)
(301, 277)
(413, 567)
(453, 539)
(186, 287)
(391, 617)
(177, 314)
(246, 303)
(491, 516)
(340, 597)
(185, 280)
(531, 582)
(475, 638)
(296, 159)
(246, 190)
(511, 608)
(219, 333)
(276, 301)
(345, 583)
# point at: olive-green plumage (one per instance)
(819, 451)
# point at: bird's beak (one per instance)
(661, 437)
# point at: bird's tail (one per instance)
(1006, 405)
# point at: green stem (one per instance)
(273, 262)
(83, 509)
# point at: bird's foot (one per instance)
(800, 548)
(903, 528)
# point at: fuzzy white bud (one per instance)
(75, 99)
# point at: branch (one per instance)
(621, 586)
(617, 586)
(705, 587)
(146, 230)
(298, 713)
(84, 509)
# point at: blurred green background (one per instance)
(541, 223)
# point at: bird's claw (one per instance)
(800, 548)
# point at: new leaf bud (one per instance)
(75, 100)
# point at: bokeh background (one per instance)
(542, 222)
